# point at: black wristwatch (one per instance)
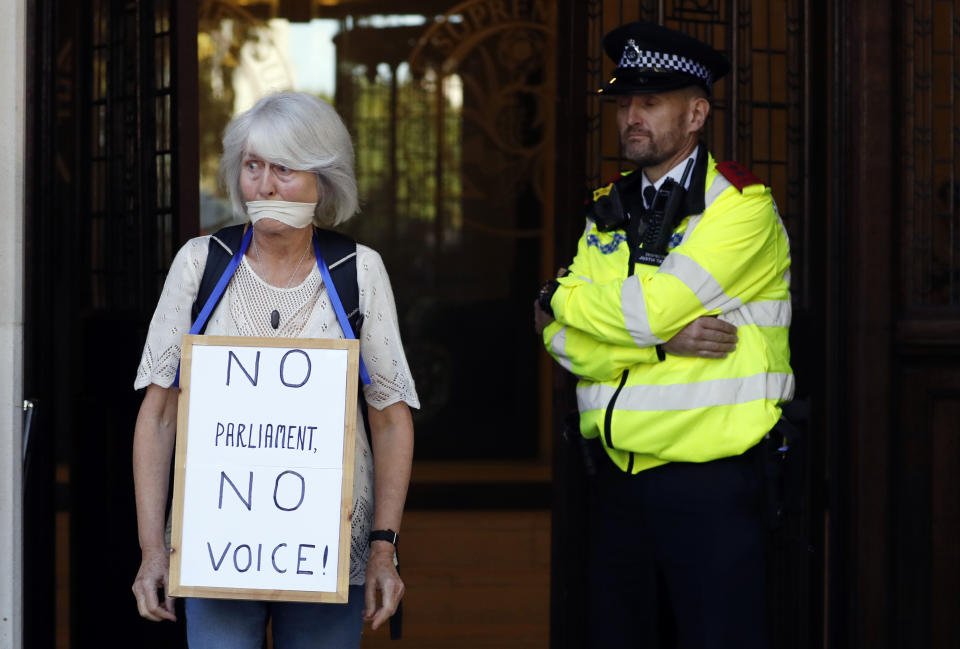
(385, 535)
(390, 537)
(546, 294)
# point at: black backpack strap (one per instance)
(219, 253)
(340, 253)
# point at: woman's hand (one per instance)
(384, 587)
(153, 579)
(153, 442)
(391, 430)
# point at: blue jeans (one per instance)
(242, 624)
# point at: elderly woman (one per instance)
(288, 165)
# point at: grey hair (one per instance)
(301, 132)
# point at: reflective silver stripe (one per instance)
(634, 309)
(688, 396)
(719, 185)
(691, 226)
(590, 397)
(775, 313)
(786, 237)
(704, 286)
(585, 279)
(558, 343)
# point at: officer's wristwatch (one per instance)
(546, 294)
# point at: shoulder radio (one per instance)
(657, 224)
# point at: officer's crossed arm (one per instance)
(589, 358)
(706, 336)
(734, 257)
(592, 359)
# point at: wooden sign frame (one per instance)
(176, 588)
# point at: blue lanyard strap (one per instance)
(337, 305)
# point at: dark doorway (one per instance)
(100, 233)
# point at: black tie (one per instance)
(649, 194)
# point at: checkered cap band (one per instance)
(634, 57)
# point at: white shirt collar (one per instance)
(676, 173)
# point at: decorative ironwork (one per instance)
(131, 184)
(595, 79)
(163, 229)
(930, 194)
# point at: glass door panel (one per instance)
(451, 110)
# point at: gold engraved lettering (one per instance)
(478, 14)
(498, 11)
(446, 36)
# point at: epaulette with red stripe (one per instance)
(738, 176)
(604, 190)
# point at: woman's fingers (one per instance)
(384, 589)
(150, 588)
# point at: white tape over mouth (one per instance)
(296, 215)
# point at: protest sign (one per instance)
(263, 475)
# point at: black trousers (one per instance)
(676, 557)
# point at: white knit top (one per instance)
(305, 312)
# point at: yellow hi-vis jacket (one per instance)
(731, 260)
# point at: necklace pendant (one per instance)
(274, 318)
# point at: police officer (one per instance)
(674, 317)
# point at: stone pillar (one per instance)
(13, 39)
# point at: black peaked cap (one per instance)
(651, 58)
